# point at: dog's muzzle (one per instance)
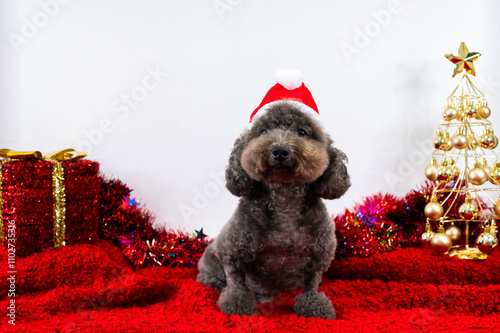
(281, 157)
(280, 153)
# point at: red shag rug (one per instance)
(91, 288)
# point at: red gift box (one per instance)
(52, 202)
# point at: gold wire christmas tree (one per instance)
(467, 169)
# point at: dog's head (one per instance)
(285, 145)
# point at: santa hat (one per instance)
(289, 87)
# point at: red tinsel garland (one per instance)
(382, 223)
(130, 228)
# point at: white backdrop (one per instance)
(157, 91)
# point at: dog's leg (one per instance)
(236, 298)
(211, 273)
(311, 303)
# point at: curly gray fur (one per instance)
(281, 236)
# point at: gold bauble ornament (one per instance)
(454, 232)
(483, 110)
(477, 176)
(450, 112)
(486, 242)
(471, 112)
(426, 237)
(472, 142)
(495, 144)
(494, 173)
(445, 173)
(431, 170)
(433, 210)
(468, 210)
(439, 141)
(441, 242)
(459, 140)
(488, 139)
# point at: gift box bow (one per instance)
(61, 155)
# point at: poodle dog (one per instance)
(280, 236)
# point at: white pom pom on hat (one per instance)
(289, 78)
(290, 87)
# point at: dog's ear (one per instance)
(238, 182)
(335, 181)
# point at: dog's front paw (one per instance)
(314, 304)
(237, 302)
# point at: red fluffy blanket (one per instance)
(91, 288)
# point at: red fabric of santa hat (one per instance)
(289, 87)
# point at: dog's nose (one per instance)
(280, 153)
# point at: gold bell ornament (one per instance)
(433, 210)
(494, 173)
(459, 140)
(477, 176)
(431, 170)
(441, 242)
(483, 110)
(445, 173)
(427, 235)
(486, 242)
(468, 210)
(450, 112)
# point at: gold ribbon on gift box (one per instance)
(58, 190)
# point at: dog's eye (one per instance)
(263, 131)
(301, 132)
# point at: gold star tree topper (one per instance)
(464, 60)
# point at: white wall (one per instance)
(67, 73)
